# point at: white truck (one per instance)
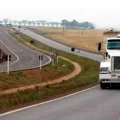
(110, 68)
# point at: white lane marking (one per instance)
(12, 53)
(7, 113)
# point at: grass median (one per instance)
(87, 77)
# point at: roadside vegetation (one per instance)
(87, 77)
(35, 76)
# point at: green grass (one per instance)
(88, 76)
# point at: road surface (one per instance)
(93, 104)
(25, 57)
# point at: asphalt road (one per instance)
(25, 57)
(94, 104)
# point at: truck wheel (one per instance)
(102, 85)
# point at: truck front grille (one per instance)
(116, 63)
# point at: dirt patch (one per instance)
(44, 74)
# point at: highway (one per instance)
(22, 57)
(92, 104)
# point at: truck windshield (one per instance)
(113, 44)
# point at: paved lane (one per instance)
(95, 104)
(26, 58)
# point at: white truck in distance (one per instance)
(110, 68)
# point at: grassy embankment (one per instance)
(29, 77)
(88, 76)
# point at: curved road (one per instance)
(92, 104)
(25, 58)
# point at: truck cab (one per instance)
(110, 68)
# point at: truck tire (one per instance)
(102, 85)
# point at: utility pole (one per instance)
(82, 32)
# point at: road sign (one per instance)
(53, 59)
(8, 57)
(72, 49)
(32, 42)
(40, 57)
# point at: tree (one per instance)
(38, 23)
(29, 22)
(48, 24)
(10, 21)
(24, 22)
(56, 23)
(5, 21)
(43, 23)
(64, 24)
(1, 22)
(33, 22)
(75, 24)
(52, 24)
(19, 22)
(88, 25)
(15, 21)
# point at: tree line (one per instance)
(77, 25)
(64, 23)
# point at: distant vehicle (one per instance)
(110, 68)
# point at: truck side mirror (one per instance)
(106, 54)
(99, 46)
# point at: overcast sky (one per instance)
(103, 13)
